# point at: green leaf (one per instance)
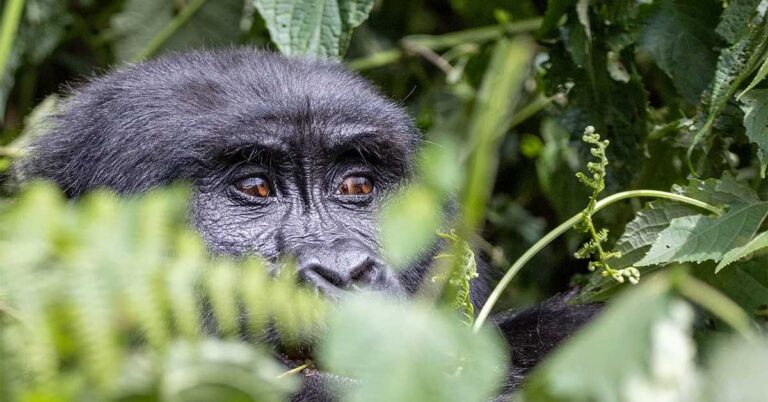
(699, 238)
(499, 94)
(215, 23)
(320, 28)
(746, 283)
(408, 224)
(737, 372)
(731, 26)
(679, 36)
(734, 65)
(759, 77)
(419, 354)
(722, 192)
(643, 231)
(216, 370)
(106, 292)
(613, 107)
(555, 168)
(755, 107)
(625, 350)
(759, 242)
(42, 27)
(438, 166)
(556, 10)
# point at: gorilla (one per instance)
(287, 156)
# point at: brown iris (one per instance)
(356, 185)
(254, 186)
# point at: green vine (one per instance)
(593, 249)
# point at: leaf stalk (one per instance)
(563, 227)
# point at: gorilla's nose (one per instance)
(331, 270)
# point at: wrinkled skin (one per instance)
(287, 157)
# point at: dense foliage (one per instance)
(99, 299)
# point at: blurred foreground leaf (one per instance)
(639, 349)
(419, 355)
(408, 224)
(737, 372)
(216, 370)
(111, 297)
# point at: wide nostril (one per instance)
(316, 273)
(363, 274)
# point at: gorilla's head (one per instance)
(287, 156)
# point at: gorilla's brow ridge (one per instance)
(372, 141)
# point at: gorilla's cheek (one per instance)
(229, 228)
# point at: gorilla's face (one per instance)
(306, 191)
(288, 157)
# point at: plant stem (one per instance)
(168, 30)
(295, 370)
(10, 152)
(563, 227)
(11, 16)
(445, 41)
(527, 111)
(716, 303)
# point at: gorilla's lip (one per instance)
(311, 370)
(293, 360)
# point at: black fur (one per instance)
(213, 118)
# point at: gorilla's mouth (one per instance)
(296, 357)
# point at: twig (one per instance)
(295, 370)
(168, 30)
(445, 41)
(429, 55)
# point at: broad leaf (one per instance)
(321, 28)
(679, 36)
(759, 77)
(755, 106)
(411, 353)
(699, 238)
(737, 372)
(720, 192)
(644, 230)
(640, 342)
(141, 20)
(731, 26)
(43, 25)
(222, 370)
(613, 107)
(640, 234)
(746, 283)
(758, 243)
(556, 9)
(734, 65)
(408, 224)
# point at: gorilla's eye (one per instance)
(356, 185)
(254, 186)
